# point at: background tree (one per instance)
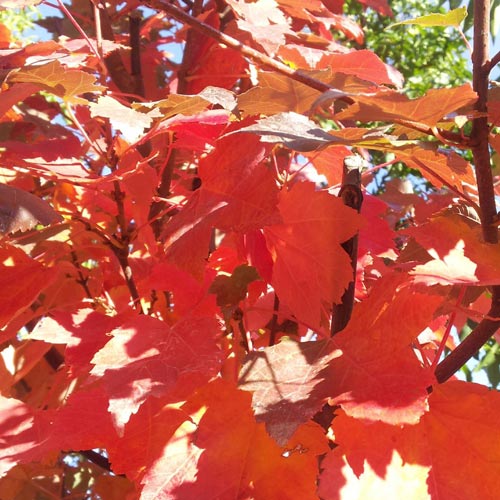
(186, 313)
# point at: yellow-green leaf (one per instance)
(452, 18)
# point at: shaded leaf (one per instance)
(279, 93)
(230, 290)
(238, 193)
(391, 105)
(361, 368)
(287, 382)
(21, 211)
(232, 454)
(22, 280)
(295, 131)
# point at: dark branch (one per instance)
(488, 214)
(352, 197)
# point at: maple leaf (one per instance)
(230, 290)
(438, 457)
(84, 332)
(21, 211)
(20, 434)
(238, 193)
(368, 368)
(287, 381)
(429, 109)
(147, 358)
(14, 94)
(278, 93)
(311, 270)
(23, 279)
(129, 122)
(264, 21)
(53, 77)
(363, 64)
(293, 130)
(460, 255)
(232, 454)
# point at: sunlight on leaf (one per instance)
(453, 18)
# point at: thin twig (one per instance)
(279, 67)
(84, 35)
(273, 327)
(494, 61)
(122, 252)
(451, 321)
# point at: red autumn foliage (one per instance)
(170, 263)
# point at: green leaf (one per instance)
(453, 18)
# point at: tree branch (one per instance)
(488, 213)
(352, 196)
(121, 252)
(494, 61)
(471, 345)
(279, 67)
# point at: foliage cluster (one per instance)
(186, 313)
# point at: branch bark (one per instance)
(266, 61)
(481, 67)
(352, 196)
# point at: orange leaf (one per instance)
(223, 451)
(276, 93)
(66, 83)
(429, 109)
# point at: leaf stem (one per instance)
(451, 321)
(84, 35)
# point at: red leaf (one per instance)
(147, 358)
(22, 280)
(211, 64)
(84, 332)
(369, 368)
(311, 270)
(20, 435)
(363, 64)
(460, 254)
(233, 456)
(238, 193)
(374, 458)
